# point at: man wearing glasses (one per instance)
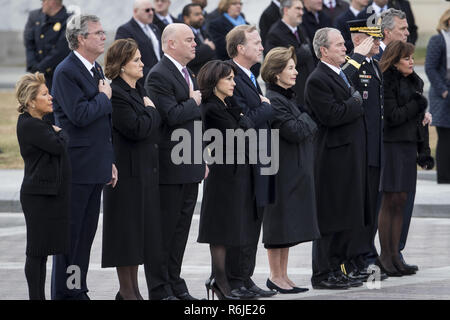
(82, 108)
(162, 16)
(145, 33)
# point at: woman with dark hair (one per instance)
(405, 144)
(228, 205)
(292, 218)
(437, 67)
(45, 191)
(131, 209)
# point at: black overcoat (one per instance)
(340, 151)
(131, 207)
(45, 190)
(229, 205)
(293, 216)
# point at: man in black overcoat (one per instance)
(289, 32)
(145, 33)
(245, 48)
(162, 16)
(173, 89)
(365, 74)
(314, 17)
(268, 18)
(45, 38)
(340, 159)
(206, 50)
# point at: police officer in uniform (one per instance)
(45, 38)
(365, 74)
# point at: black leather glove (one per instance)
(425, 161)
(356, 95)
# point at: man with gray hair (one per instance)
(340, 159)
(82, 108)
(146, 34)
(394, 27)
(173, 89)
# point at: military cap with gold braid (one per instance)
(360, 26)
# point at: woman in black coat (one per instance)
(228, 204)
(131, 210)
(292, 218)
(44, 194)
(405, 144)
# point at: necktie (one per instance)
(342, 75)
(97, 76)
(330, 5)
(154, 41)
(252, 77)
(186, 76)
(200, 36)
(374, 68)
(165, 21)
(296, 35)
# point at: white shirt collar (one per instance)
(355, 12)
(290, 27)
(327, 2)
(382, 45)
(377, 8)
(276, 2)
(168, 17)
(335, 69)
(85, 62)
(177, 64)
(246, 71)
(142, 25)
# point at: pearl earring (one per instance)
(122, 70)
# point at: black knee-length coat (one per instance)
(228, 213)
(131, 209)
(340, 151)
(293, 216)
(45, 191)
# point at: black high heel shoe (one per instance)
(216, 290)
(402, 268)
(208, 286)
(119, 296)
(390, 273)
(273, 286)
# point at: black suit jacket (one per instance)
(203, 54)
(340, 165)
(161, 25)
(311, 25)
(168, 89)
(247, 96)
(218, 29)
(340, 8)
(132, 30)
(281, 36)
(270, 15)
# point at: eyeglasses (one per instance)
(148, 10)
(98, 33)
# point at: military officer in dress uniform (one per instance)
(365, 74)
(45, 38)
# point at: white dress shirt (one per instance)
(179, 66)
(85, 62)
(149, 33)
(335, 69)
(168, 18)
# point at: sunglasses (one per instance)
(147, 10)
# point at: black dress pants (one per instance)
(241, 261)
(328, 253)
(177, 207)
(84, 213)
